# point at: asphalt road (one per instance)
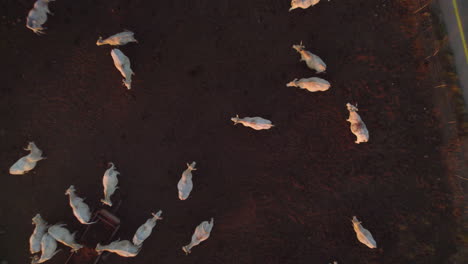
(455, 13)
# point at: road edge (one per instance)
(449, 97)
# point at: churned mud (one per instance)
(286, 195)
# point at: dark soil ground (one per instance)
(285, 195)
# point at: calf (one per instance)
(256, 123)
(304, 4)
(144, 231)
(80, 209)
(38, 233)
(358, 128)
(313, 61)
(202, 233)
(313, 84)
(62, 235)
(185, 183)
(110, 182)
(37, 16)
(48, 248)
(122, 248)
(362, 234)
(122, 63)
(28, 162)
(118, 39)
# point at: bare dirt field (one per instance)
(285, 195)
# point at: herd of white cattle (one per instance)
(44, 238)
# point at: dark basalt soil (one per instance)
(286, 195)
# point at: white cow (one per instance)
(304, 4)
(118, 39)
(80, 209)
(202, 233)
(363, 235)
(38, 233)
(110, 182)
(256, 123)
(313, 61)
(122, 248)
(358, 127)
(313, 84)
(37, 16)
(62, 235)
(28, 162)
(144, 231)
(48, 248)
(185, 184)
(122, 63)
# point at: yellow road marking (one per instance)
(460, 27)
